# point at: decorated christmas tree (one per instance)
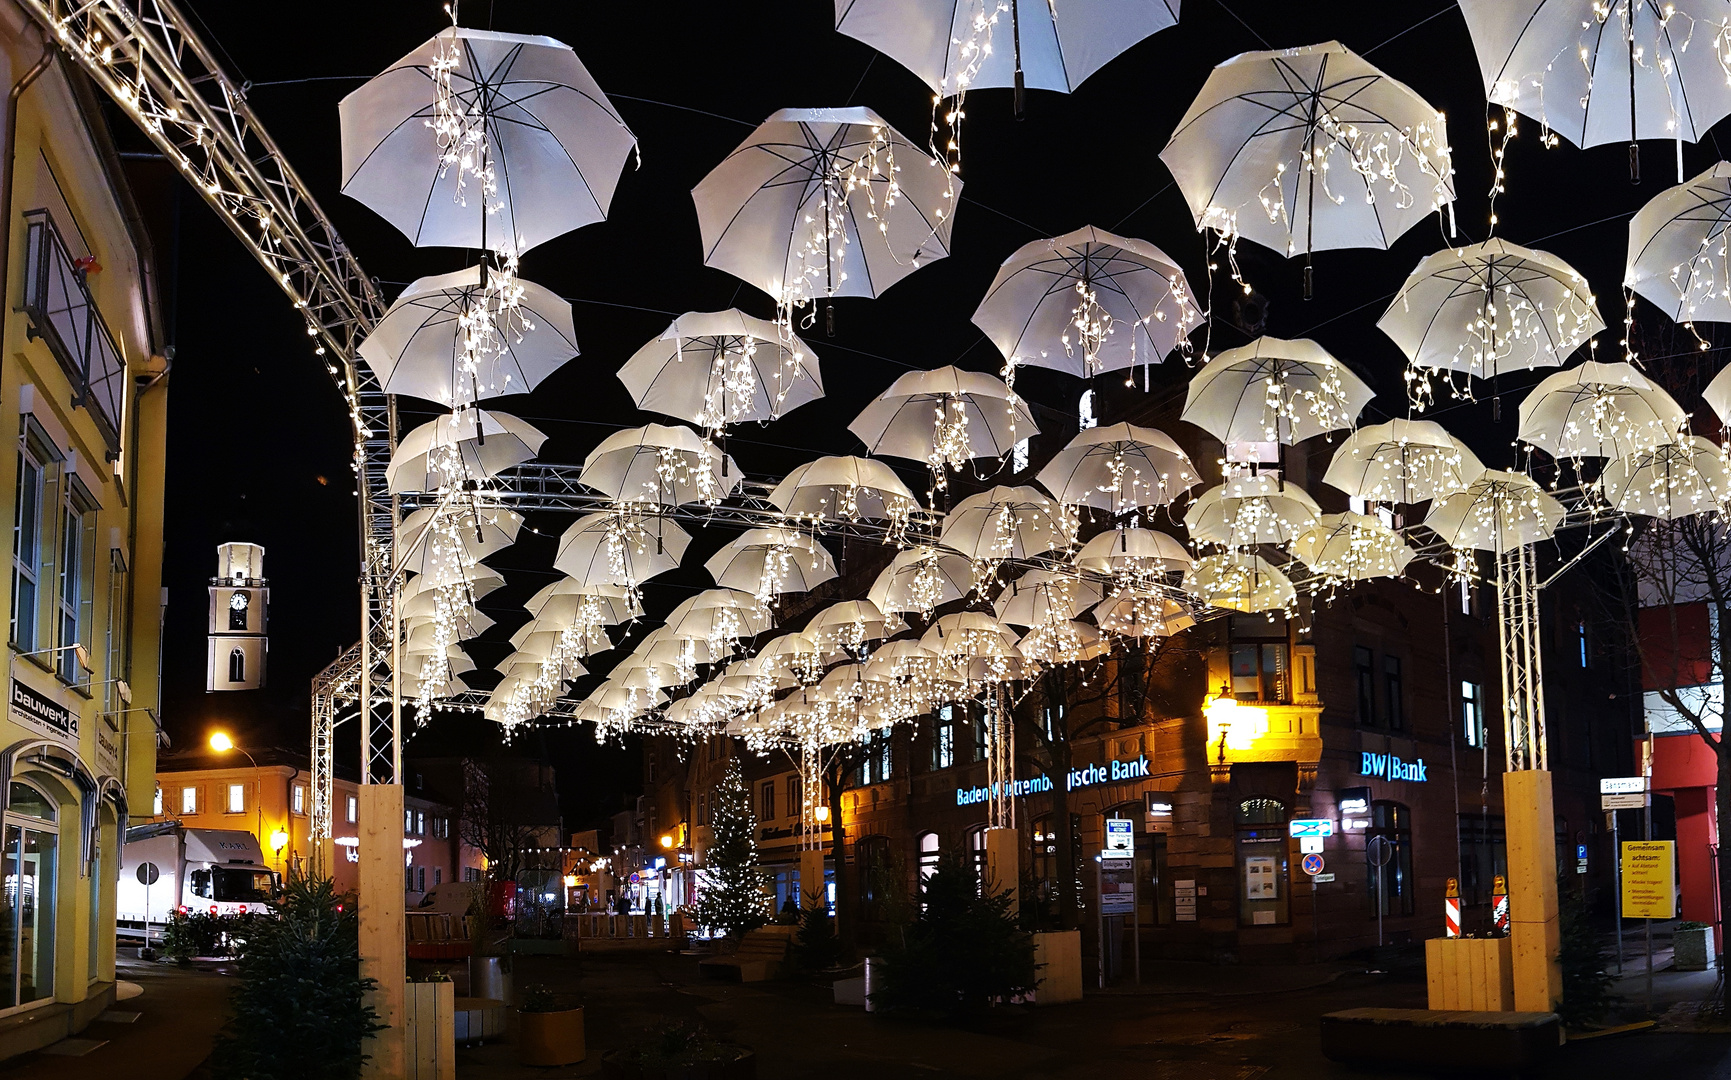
(730, 894)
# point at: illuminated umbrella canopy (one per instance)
(419, 349)
(1063, 641)
(1119, 468)
(1677, 249)
(1086, 302)
(427, 635)
(921, 579)
(847, 488)
(1352, 547)
(1573, 64)
(1490, 309)
(1250, 510)
(1599, 410)
(1309, 149)
(850, 624)
(444, 542)
(1402, 461)
(714, 368)
(1498, 512)
(970, 635)
(1040, 596)
(955, 47)
(423, 595)
(471, 444)
(1670, 481)
(717, 616)
(1717, 395)
(618, 549)
(1141, 556)
(1139, 614)
(1006, 523)
(793, 656)
(945, 416)
(1240, 582)
(823, 203)
(1274, 390)
(768, 562)
(576, 602)
(659, 465)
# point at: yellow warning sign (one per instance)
(1649, 879)
(1454, 888)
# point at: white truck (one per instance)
(165, 866)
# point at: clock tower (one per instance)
(239, 606)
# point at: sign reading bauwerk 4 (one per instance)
(44, 714)
(1389, 767)
(1086, 776)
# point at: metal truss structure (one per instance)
(1522, 660)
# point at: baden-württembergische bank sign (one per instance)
(1389, 767)
(1086, 776)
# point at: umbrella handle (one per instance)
(1634, 162)
(1016, 38)
(1309, 279)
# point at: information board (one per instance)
(1649, 879)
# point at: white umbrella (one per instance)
(471, 444)
(419, 347)
(1040, 596)
(1250, 510)
(1086, 302)
(851, 623)
(572, 600)
(768, 562)
(1717, 395)
(1062, 641)
(1402, 461)
(1140, 614)
(1574, 64)
(823, 203)
(1490, 309)
(444, 542)
(422, 595)
(970, 635)
(944, 417)
(714, 368)
(1138, 555)
(848, 488)
(522, 107)
(1274, 390)
(1352, 547)
(1670, 481)
(965, 44)
(1309, 149)
(659, 465)
(1677, 249)
(617, 549)
(1599, 410)
(1006, 523)
(1498, 512)
(920, 579)
(1119, 468)
(1240, 582)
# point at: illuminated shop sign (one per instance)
(1389, 767)
(1086, 776)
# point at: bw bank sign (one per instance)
(1389, 767)
(1087, 776)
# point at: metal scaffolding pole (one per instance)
(1522, 661)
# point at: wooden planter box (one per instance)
(430, 1031)
(551, 1038)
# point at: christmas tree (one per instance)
(730, 895)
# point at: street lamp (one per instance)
(222, 744)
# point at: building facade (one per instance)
(84, 390)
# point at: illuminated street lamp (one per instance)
(222, 744)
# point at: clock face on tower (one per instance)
(237, 609)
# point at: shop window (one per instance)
(1473, 713)
(929, 855)
(1262, 869)
(1394, 697)
(1364, 679)
(1047, 867)
(29, 844)
(1395, 894)
(766, 801)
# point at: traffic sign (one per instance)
(1120, 839)
(1311, 827)
(1627, 800)
(1323, 878)
(148, 873)
(1380, 849)
(1310, 845)
(1312, 865)
(1622, 785)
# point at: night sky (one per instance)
(259, 443)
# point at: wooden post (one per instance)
(383, 955)
(1003, 864)
(811, 885)
(1534, 931)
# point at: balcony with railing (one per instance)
(63, 314)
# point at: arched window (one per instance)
(236, 665)
(928, 855)
(29, 844)
(1392, 889)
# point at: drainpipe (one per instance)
(9, 165)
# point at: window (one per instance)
(1085, 411)
(28, 847)
(1466, 590)
(236, 665)
(236, 799)
(300, 799)
(714, 747)
(977, 725)
(703, 809)
(1262, 859)
(1259, 672)
(1393, 698)
(977, 853)
(875, 768)
(876, 887)
(76, 578)
(353, 810)
(438, 876)
(420, 879)
(944, 738)
(189, 800)
(420, 823)
(1132, 685)
(409, 822)
(928, 856)
(26, 547)
(1484, 855)
(156, 805)
(1473, 713)
(1391, 886)
(1363, 671)
(408, 879)
(1581, 643)
(766, 801)
(795, 797)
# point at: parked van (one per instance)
(165, 866)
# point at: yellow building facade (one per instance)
(83, 394)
